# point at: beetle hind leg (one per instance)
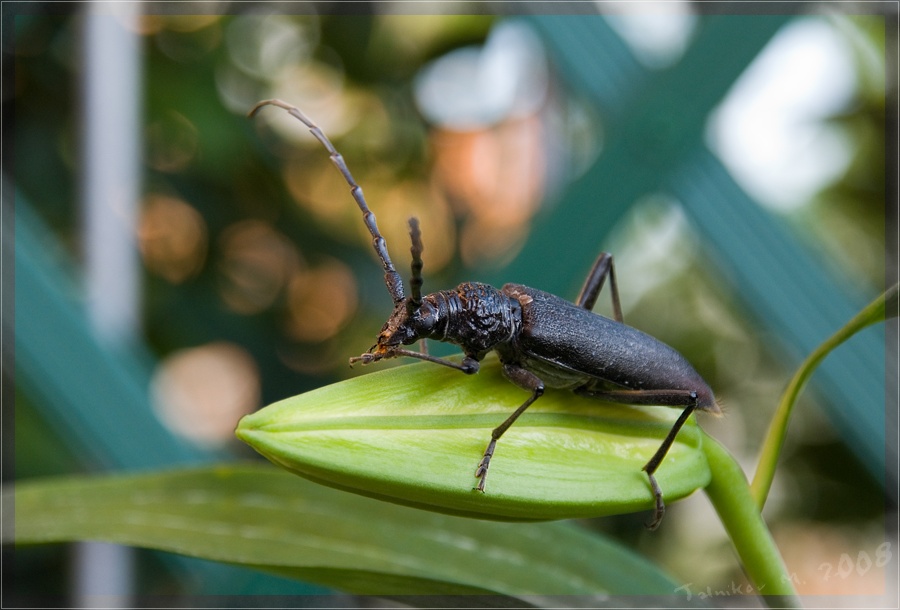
(651, 466)
(688, 399)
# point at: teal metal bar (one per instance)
(96, 400)
(794, 295)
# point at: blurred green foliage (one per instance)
(211, 157)
(270, 237)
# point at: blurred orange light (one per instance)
(200, 393)
(496, 178)
(320, 301)
(172, 142)
(255, 265)
(172, 238)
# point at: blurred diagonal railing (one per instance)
(653, 143)
(92, 396)
(95, 398)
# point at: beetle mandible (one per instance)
(542, 340)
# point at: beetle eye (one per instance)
(424, 319)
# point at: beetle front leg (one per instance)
(469, 365)
(526, 380)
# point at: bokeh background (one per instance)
(177, 265)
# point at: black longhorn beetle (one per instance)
(542, 340)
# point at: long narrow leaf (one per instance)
(885, 306)
(263, 517)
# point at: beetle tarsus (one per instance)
(481, 471)
(660, 505)
(367, 358)
(470, 365)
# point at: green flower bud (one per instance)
(415, 435)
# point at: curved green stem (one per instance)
(731, 497)
(765, 471)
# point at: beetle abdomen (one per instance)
(587, 345)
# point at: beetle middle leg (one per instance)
(602, 268)
(526, 380)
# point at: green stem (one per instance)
(771, 449)
(730, 495)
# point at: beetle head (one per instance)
(407, 324)
(413, 317)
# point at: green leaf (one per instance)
(415, 434)
(885, 306)
(260, 516)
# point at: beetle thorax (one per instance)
(476, 317)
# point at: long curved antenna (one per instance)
(391, 277)
(415, 282)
